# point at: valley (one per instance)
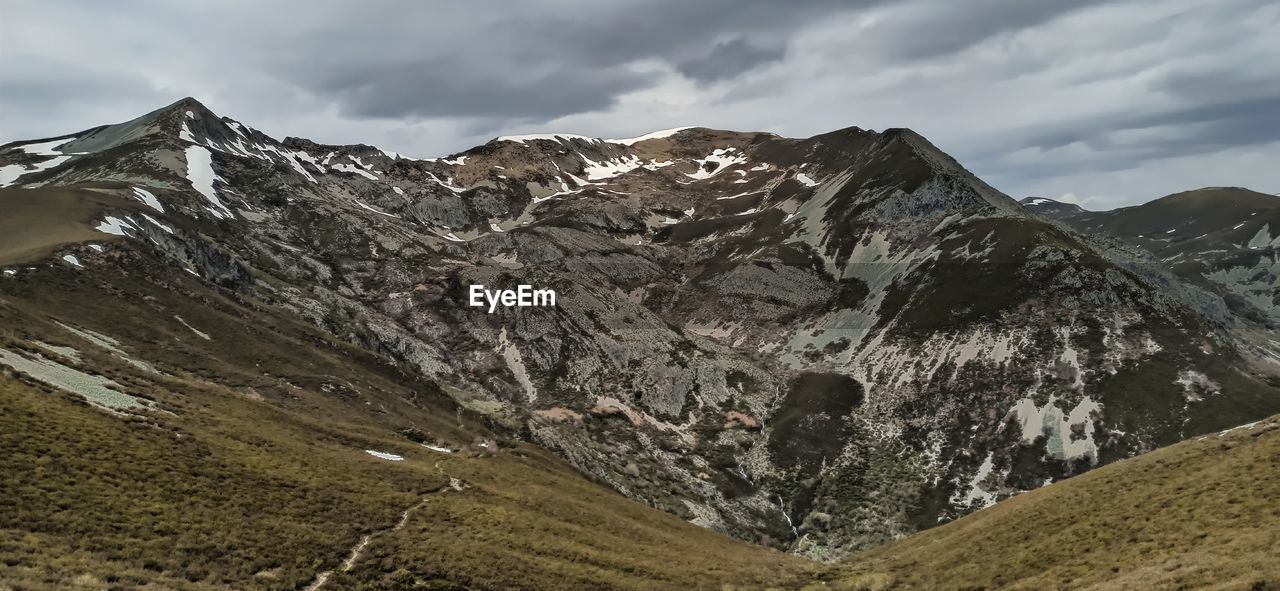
(843, 361)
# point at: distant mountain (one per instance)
(816, 344)
(1050, 208)
(1224, 239)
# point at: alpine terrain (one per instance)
(236, 361)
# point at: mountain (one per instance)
(1051, 208)
(1217, 238)
(818, 345)
(1197, 515)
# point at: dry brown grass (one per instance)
(36, 222)
(1202, 514)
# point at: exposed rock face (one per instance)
(824, 343)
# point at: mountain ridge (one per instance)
(728, 302)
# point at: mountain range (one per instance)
(817, 346)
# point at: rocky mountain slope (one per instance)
(1217, 238)
(160, 432)
(815, 344)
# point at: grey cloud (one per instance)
(729, 60)
(538, 63)
(923, 30)
(36, 82)
(447, 88)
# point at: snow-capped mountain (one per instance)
(819, 344)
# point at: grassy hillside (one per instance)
(37, 221)
(243, 463)
(1202, 514)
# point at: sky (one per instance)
(1101, 103)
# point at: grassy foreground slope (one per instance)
(1201, 514)
(242, 462)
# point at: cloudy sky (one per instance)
(1106, 103)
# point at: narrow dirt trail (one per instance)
(357, 551)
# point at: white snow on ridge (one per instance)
(610, 168)
(723, 157)
(10, 173)
(448, 184)
(354, 170)
(650, 136)
(384, 455)
(158, 224)
(370, 208)
(70, 258)
(736, 196)
(146, 197)
(200, 173)
(562, 137)
(554, 137)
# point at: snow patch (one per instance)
(976, 493)
(609, 168)
(1050, 422)
(96, 390)
(354, 170)
(158, 224)
(363, 205)
(147, 198)
(723, 158)
(553, 137)
(384, 455)
(114, 225)
(515, 363)
(10, 173)
(192, 328)
(200, 174)
(653, 135)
